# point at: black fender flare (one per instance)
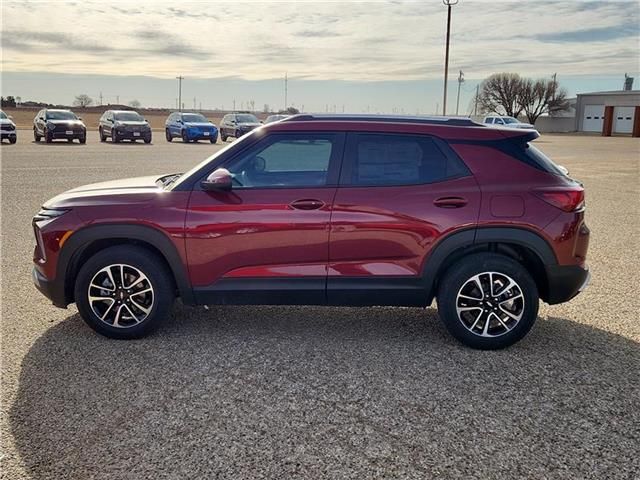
(142, 233)
(477, 236)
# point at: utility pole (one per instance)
(449, 4)
(180, 78)
(234, 104)
(194, 103)
(286, 81)
(117, 99)
(100, 98)
(460, 80)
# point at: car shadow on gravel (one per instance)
(306, 392)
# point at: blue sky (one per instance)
(360, 56)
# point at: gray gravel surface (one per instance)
(301, 392)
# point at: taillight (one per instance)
(567, 199)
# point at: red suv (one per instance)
(328, 210)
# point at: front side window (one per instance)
(292, 160)
(387, 159)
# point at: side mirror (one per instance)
(10, 117)
(232, 122)
(79, 118)
(179, 121)
(219, 180)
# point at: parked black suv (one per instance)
(124, 125)
(237, 124)
(53, 124)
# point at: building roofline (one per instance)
(612, 92)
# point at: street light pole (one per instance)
(180, 78)
(449, 4)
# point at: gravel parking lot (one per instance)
(309, 392)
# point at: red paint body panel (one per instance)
(256, 228)
(390, 230)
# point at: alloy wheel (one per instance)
(121, 295)
(490, 304)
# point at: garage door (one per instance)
(623, 119)
(593, 118)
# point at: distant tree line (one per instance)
(513, 95)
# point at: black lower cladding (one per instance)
(352, 291)
(565, 282)
(54, 291)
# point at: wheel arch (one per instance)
(521, 244)
(88, 241)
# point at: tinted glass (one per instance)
(128, 117)
(194, 117)
(285, 161)
(508, 120)
(3, 115)
(51, 115)
(246, 119)
(541, 160)
(399, 160)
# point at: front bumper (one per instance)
(565, 282)
(133, 135)
(50, 289)
(7, 134)
(197, 134)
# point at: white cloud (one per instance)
(317, 40)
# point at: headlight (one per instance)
(49, 213)
(51, 126)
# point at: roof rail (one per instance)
(453, 121)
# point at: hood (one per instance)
(66, 122)
(127, 190)
(132, 123)
(6, 121)
(198, 124)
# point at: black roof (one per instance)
(451, 121)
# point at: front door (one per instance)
(267, 240)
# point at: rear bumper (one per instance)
(50, 289)
(565, 282)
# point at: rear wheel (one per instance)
(124, 292)
(488, 301)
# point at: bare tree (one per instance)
(500, 93)
(542, 96)
(135, 104)
(83, 100)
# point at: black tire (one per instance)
(83, 139)
(223, 137)
(70, 140)
(463, 271)
(168, 135)
(185, 138)
(145, 261)
(47, 136)
(147, 139)
(103, 137)
(114, 137)
(214, 138)
(36, 137)
(13, 140)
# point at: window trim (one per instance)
(349, 160)
(333, 171)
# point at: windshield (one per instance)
(52, 115)
(128, 117)
(510, 120)
(3, 115)
(194, 117)
(246, 119)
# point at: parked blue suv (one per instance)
(190, 127)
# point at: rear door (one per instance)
(398, 195)
(267, 240)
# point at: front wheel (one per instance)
(214, 138)
(223, 137)
(83, 138)
(124, 292)
(488, 301)
(48, 136)
(36, 137)
(13, 140)
(103, 137)
(167, 135)
(185, 137)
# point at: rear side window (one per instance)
(540, 160)
(388, 159)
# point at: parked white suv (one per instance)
(505, 121)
